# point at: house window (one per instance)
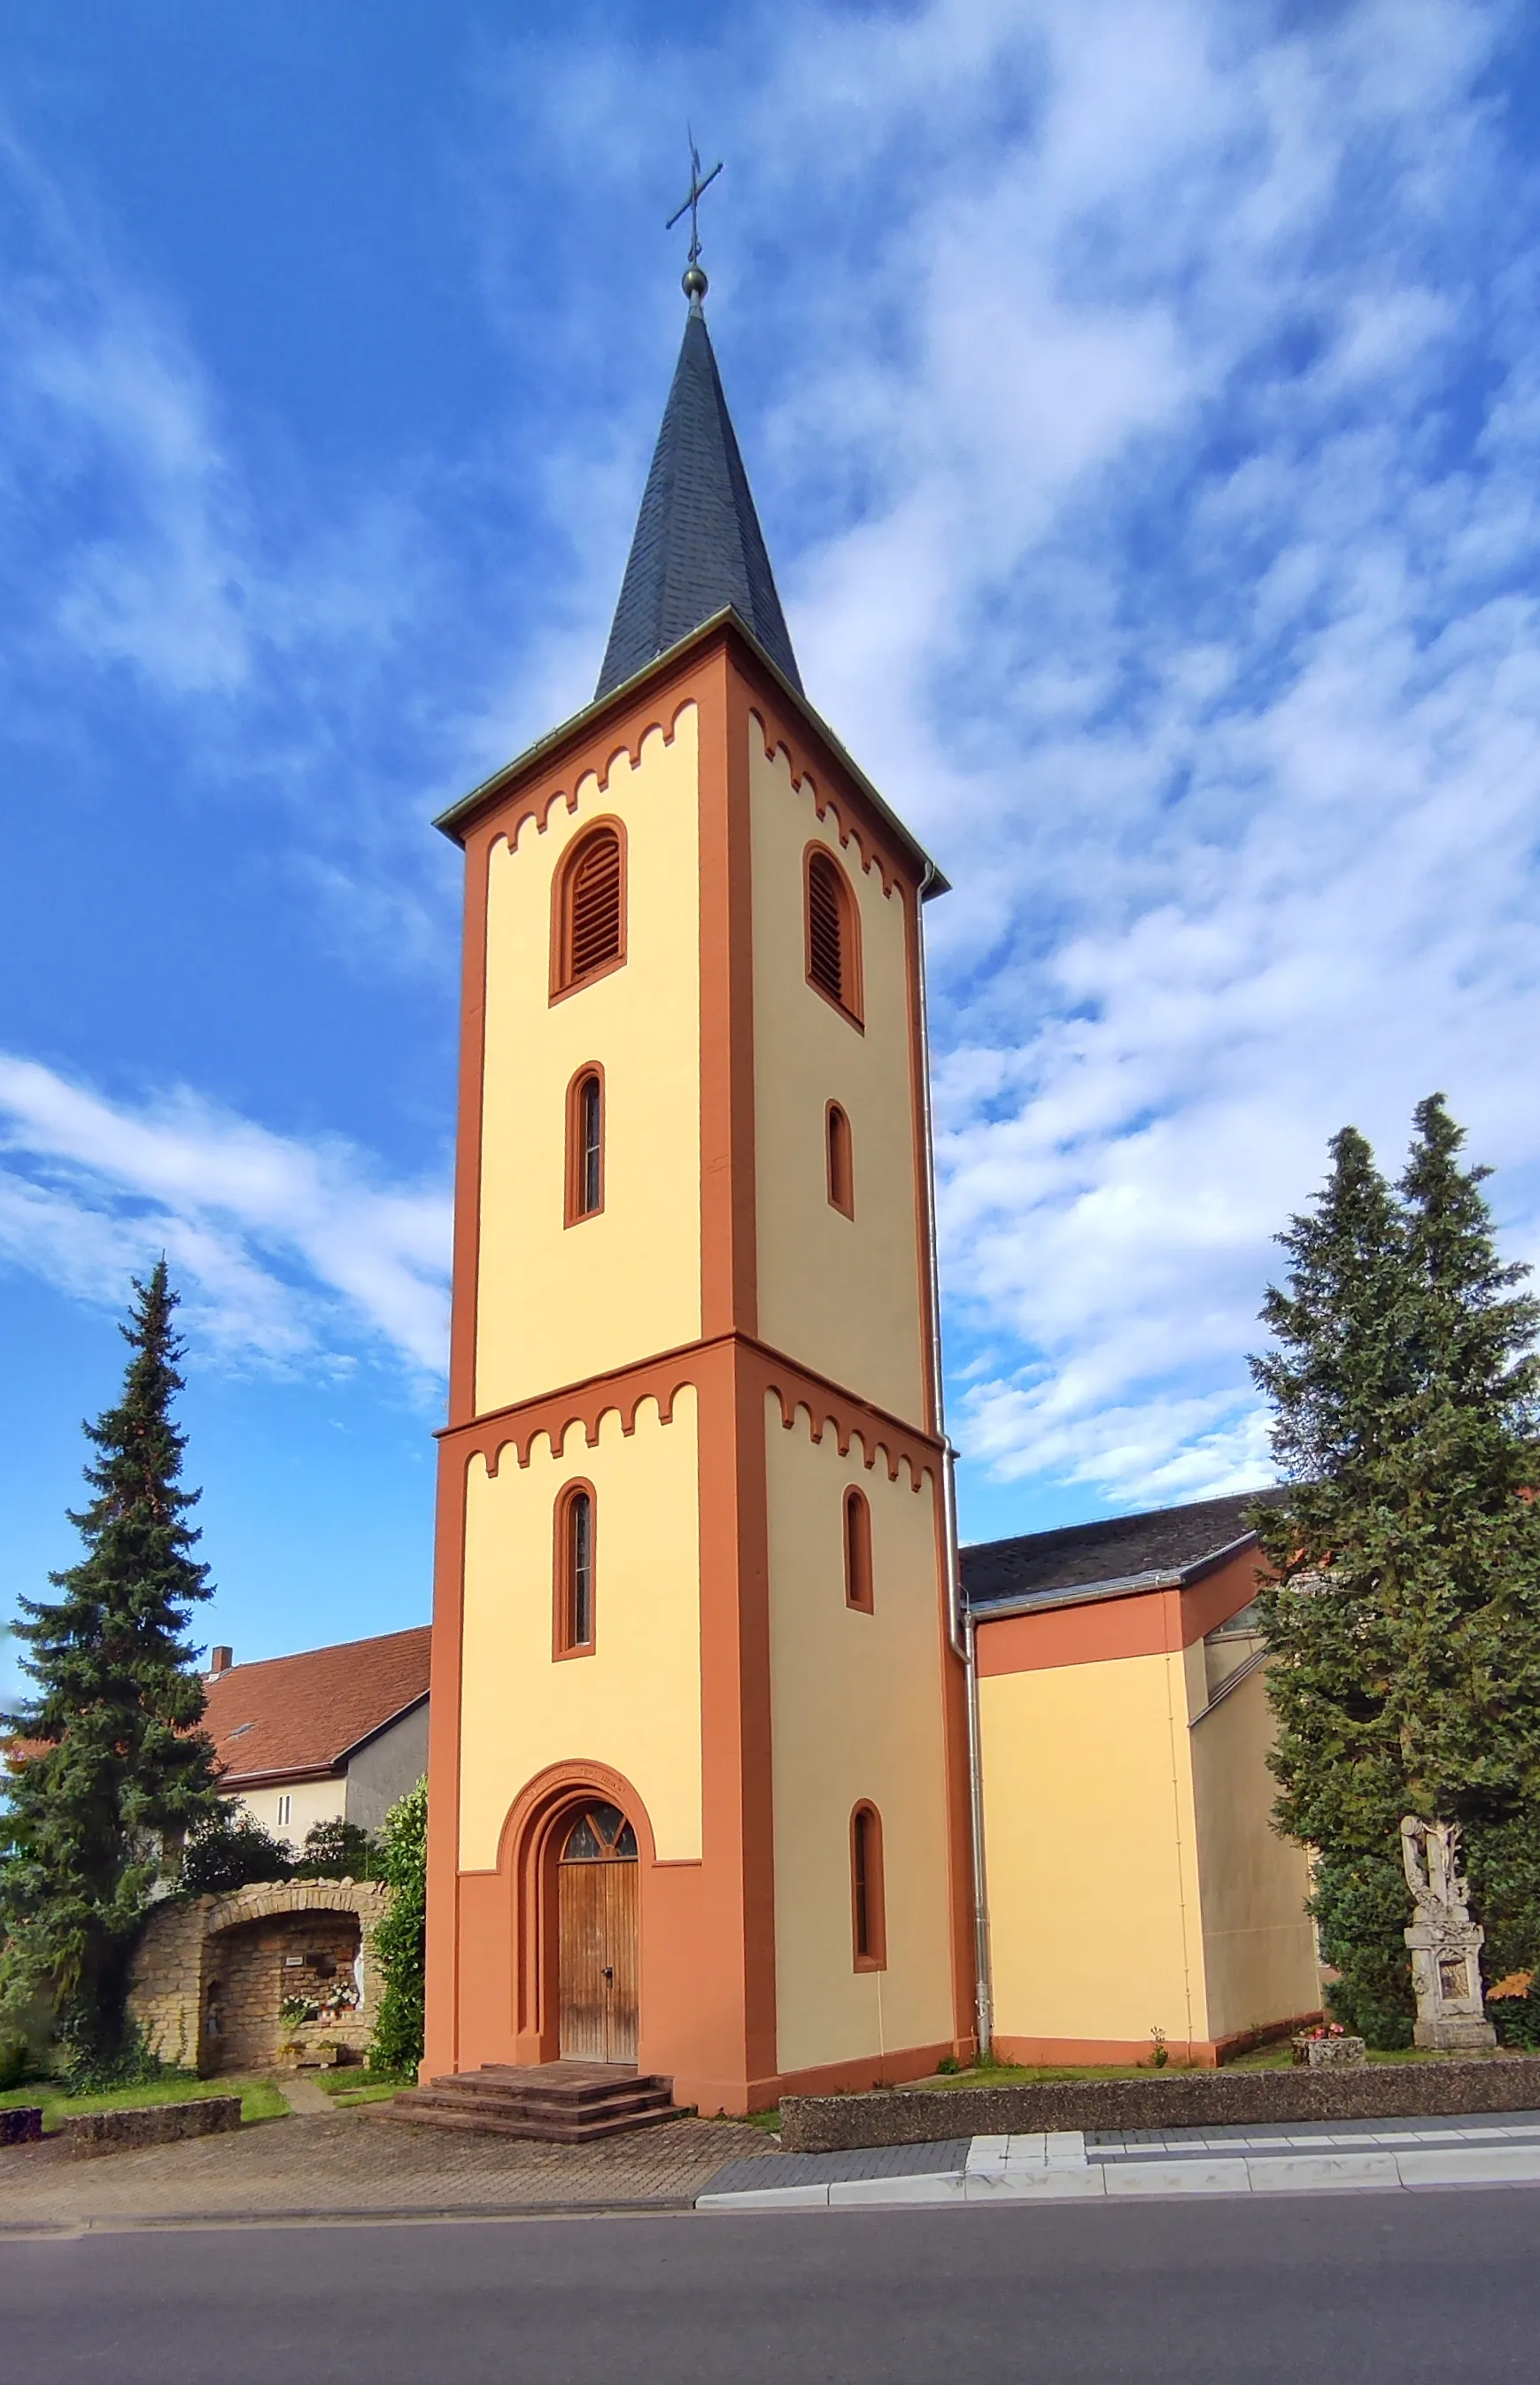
(586, 1145)
(286, 1811)
(842, 1177)
(574, 1571)
(868, 1917)
(588, 926)
(834, 934)
(857, 1551)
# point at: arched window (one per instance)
(868, 1917)
(586, 1145)
(588, 926)
(857, 1551)
(834, 934)
(841, 1169)
(574, 1635)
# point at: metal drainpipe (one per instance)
(960, 1630)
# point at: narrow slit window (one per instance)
(857, 1551)
(868, 1919)
(834, 934)
(585, 1141)
(574, 1600)
(588, 929)
(842, 1174)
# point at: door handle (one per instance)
(609, 1971)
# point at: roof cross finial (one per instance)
(694, 285)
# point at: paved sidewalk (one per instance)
(1067, 2167)
(361, 2163)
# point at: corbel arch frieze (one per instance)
(554, 1421)
(779, 738)
(584, 779)
(878, 1442)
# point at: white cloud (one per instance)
(1187, 610)
(290, 1253)
(1137, 394)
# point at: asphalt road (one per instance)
(1359, 2288)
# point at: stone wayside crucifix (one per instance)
(1445, 1944)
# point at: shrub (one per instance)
(230, 1852)
(400, 1941)
(337, 1851)
(1515, 2016)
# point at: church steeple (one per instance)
(698, 547)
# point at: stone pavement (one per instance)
(1067, 2165)
(359, 2164)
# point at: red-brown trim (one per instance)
(959, 1797)
(1103, 1631)
(562, 1644)
(588, 745)
(708, 1974)
(924, 1189)
(661, 1377)
(730, 1292)
(1196, 2053)
(857, 1549)
(842, 1196)
(851, 979)
(573, 1212)
(563, 983)
(817, 770)
(468, 1139)
(442, 2016)
(509, 1935)
(874, 1954)
(896, 2066)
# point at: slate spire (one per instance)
(698, 545)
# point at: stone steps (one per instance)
(553, 2102)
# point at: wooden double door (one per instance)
(597, 1873)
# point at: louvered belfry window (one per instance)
(593, 928)
(826, 939)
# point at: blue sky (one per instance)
(1142, 406)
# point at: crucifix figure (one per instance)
(695, 280)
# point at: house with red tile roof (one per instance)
(333, 1734)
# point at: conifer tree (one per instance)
(1404, 1621)
(99, 1814)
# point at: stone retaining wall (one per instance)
(88, 2133)
(189, 1970)
(1183, 2099)
(21, 2125)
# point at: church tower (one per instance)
(698, 1775)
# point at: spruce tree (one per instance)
(97, 1816)
(1405, 1621)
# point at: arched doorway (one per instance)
(597, 1875)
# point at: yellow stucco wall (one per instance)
(634, 1703)
(556, 1303)
(857, 1709)
(1095, 1925)
(309, 1802)
(840, 1295)
(1258, 1945)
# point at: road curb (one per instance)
(151, 2223)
